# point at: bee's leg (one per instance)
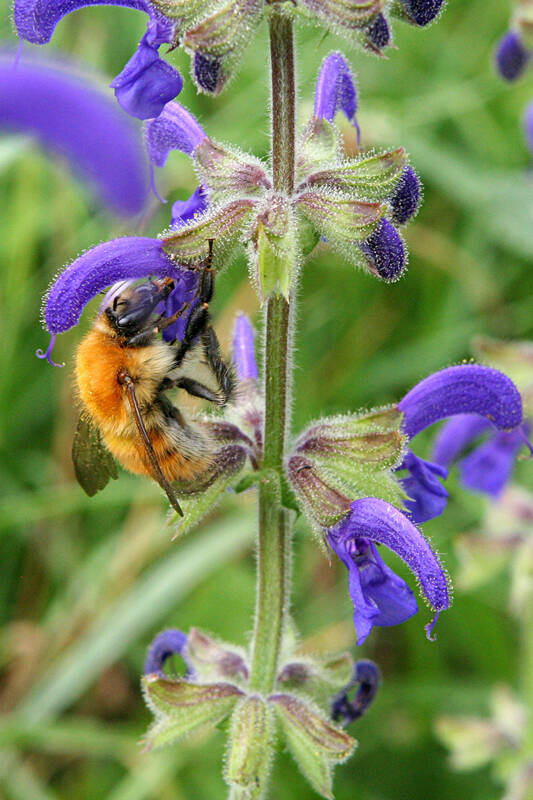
(223, 374)
(199, 317)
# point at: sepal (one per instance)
(320, 143)
(346, 19)
(373, 177)
(224, 225)
(212, 659)
(249, 753)
(325, 674)
(315, 743)
(228, 172)
(342, 221)
(184, 12)
(273, 248)
(181, 707)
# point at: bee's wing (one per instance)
(157, 473)
(93, 463)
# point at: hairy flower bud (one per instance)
(385, 252)
(511, 56)
(212, 659)
(229, 172)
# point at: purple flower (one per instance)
(406, 198)
(174, 129)
(132, 257)
(243, 349)
(468, 389)
(367, 678)
(166, 644)
(422, 12)
(511, 56)
(72, 118)
(335, 90)
(385, 252)
(378, 595)
(185, 210)
(146, 83)
(488, 468)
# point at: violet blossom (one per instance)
(72, 118)
(511, 56)
(166, 644)
(146, 83)
(468, 389)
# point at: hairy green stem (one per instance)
(273, 550)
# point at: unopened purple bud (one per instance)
(511, 57)
(208, 72)
(366, 677)
(166, 644)
(422, 12)
(378, 33)
(385, 251)
(335, 90)
(406, 199)
(243, 349)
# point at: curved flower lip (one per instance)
(72, 117)
(174, 129)
(98, 268)
(335, 90)
(36, 20)
(464, 389)
(243, 349)
(166, 644)
(380, 523)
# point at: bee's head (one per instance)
(128, 311)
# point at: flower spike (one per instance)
(335, 90)
(70, 116)
(379, 596)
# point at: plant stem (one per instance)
(273, 551)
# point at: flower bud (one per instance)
(314, 742)
(377, 34)
(511, 56)
(421, 12)
(181, 707)
(346, 19)
(406, 197)
(385, 252)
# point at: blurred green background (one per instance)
(85, 584)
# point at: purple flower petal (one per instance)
(366, 677)
(103, 265)
(166, 644)
(146, 84)
(422, 12)
(381, 598)
(489, 467)
(185, 210)
(335, 90)
(185, 292)
(465, 389)
(174, 129)
(71, 117)
(456, 435)
(243, 349)
(36, 20)
(428, 497)
(378, 33)
(385, 252)
(406, 199)
(511, 57)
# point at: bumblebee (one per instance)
(123, 372)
